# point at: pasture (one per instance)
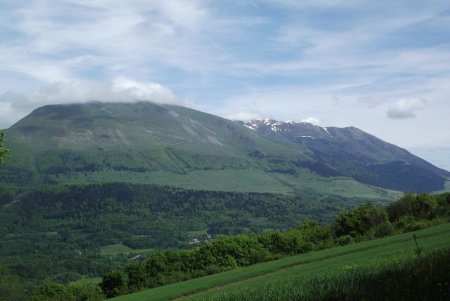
(280, 276)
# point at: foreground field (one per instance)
(278, 275)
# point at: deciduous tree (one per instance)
(3, 150)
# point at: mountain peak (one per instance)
(286, 126)
(166, 144)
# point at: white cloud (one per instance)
(132, 89)
(244, 116)
(286, 103)
(122, 89)
(371, 101)
(345, 61)
(8, 114)
(312, 3)
(313, 120)
(65, 40)
(405, 108)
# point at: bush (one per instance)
(384, 229)
(344, 240)
(359, 220)
(224, 253)
(409, 223)
(115, 283)
(86, 292)
(10, 287)
(53, 291)
(420, 206)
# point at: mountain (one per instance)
(172, 145)
(354, 153)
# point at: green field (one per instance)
(216, 180)
(267, 276)
(122, 249)
(245, 180)
(88, 281)
(305, 182)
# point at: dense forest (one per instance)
(364, 222)
(3, 149)
(411, 212)
(60, 232)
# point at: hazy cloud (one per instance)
(7, 114)
(120, 89)
(405, 108)
(313, 120)
(15, 105)
(347, 62)
(371, 101)
(134, 90)
(244, 116)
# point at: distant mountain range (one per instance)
(172, 145)
(357, 154)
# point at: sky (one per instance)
(381, 66)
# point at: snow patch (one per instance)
(251, 125)
(326, 130)
(310, 137)
(275, 128)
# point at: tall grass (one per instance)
(404, 278)
(293, 278)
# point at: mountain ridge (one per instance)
(333, 144)
(144, 142)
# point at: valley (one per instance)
(91, 188)
(260, 150)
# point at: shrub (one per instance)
(115, 283)
(384, 229)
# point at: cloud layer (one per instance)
(369, 64)
(405, 108)
(14, 106)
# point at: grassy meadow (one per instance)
(300, 276)
(122, 249)
(244, 180)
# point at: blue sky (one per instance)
(382, 66)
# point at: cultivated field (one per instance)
(287, 276)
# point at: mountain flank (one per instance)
(147, 143)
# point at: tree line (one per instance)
(58, 232)
(410, 213)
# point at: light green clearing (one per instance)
(121, 249)
(88, 280)
(315, 263)
(219, 180)
(336, 186)
(24, 235)
(244, 180)
(194, 234)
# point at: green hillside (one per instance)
(69, 232)
(145, 143)
(268, 279)
(140, 137)
(114, 230)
